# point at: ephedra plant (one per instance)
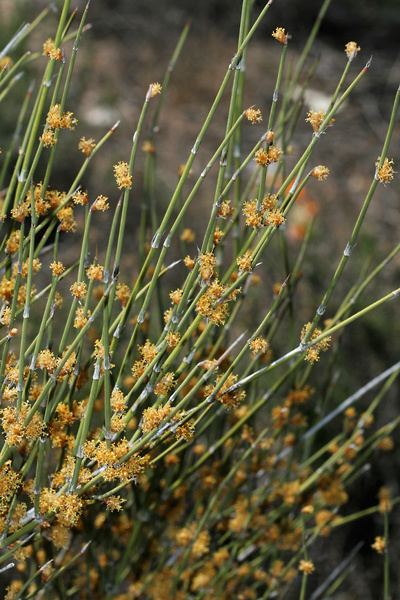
(152, 446)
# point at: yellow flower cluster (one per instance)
(266, 214)
(314, 351)
(267, 156)
(212, 305)
(56, 119)
(50, 50)
(122, 176)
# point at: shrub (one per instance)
(151, 447)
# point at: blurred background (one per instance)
(129, 45)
